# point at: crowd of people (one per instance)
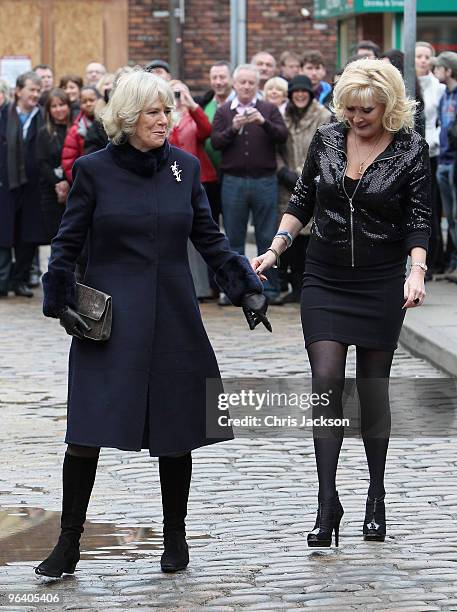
(251, 132)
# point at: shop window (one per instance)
(441, 32)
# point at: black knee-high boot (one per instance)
(78, 481)
(175, 475)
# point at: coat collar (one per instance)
(235, 103)
(335, 134)
(143, 164)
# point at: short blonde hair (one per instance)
(422, 43)
(277, 82)
(368, 80)
(108, 77)
(134, 92)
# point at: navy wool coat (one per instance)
(144, 387)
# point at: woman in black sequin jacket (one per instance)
(393, 200)
(366, 184)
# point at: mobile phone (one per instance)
(177, 95)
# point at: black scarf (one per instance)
(143, 163)
(15, 145)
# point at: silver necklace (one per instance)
(361, 164)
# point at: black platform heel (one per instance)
(329, 515)
(78, 480)
(374, 525)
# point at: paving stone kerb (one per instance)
(431, 330)
(252, 500)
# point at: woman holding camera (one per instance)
(366, 183)
(138, 201)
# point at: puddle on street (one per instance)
(29, 534)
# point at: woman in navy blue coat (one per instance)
(137, 202)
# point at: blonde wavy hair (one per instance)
(371, 80)
(133, 93)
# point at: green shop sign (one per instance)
(339, 8)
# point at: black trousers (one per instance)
(23, 256)
(23, 251)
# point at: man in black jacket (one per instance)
(21, 223)
(246, 131)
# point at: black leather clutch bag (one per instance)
(95, 308)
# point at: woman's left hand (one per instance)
(414, 289)
(186, 99)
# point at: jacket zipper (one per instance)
(351, 208)
(350, 200)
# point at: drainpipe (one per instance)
(176, 14)
(410, 46)
(237, 32)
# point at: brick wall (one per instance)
(206, 39)
(272, 25)
(277, 26)
(148, 35)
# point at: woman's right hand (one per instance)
(262, 263)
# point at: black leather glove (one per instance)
(73, 324)
(255, 307)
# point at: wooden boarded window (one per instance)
(66, 34)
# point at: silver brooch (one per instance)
(176, 171)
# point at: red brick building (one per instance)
(271, 25)
(68, 34)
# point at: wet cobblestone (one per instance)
(252, 500)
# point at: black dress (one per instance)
(353, 305)
(49, 154)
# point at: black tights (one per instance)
(83, 451)
(328, 364)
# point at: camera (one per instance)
(177, 95)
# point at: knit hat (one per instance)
(300, 83)
(158, 63)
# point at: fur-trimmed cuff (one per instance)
(59, 291)
(236, 278)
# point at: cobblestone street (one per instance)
(252, 501)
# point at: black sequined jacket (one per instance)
(388, 214)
